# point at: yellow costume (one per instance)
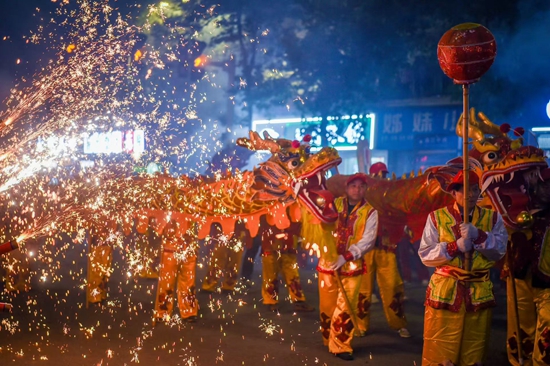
(382, 262)
(279, 256)
(177, 274)
(226, 258)
(356, 234)
(458, 302)
(530, 258)
(99, 265)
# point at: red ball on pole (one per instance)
(466, 52)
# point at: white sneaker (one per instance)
(374, 300)
(404, 333)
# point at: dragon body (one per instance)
(292, 179)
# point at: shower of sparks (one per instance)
(98, 75)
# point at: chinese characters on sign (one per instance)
(340, 131)
(414, 128)
(114, 142)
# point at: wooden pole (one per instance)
(352, 314)
(88, 268)
(514, 294)
(466, 167)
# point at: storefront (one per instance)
(350, 135)
(415, 138)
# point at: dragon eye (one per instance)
(490, 157)
(292, 164)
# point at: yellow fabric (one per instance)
(534, 314)
(272, 265)
(224, 262)
(359, 225)
(99, 271)
(362, 212)
(318, 237)
(336, 325)
(481, 219)
(383, 264)
(443, 289)
(461, 337)
(177, 274)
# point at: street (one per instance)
(50, 325)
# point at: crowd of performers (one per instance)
(459, 300)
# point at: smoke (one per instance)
(522, 63)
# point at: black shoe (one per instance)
(345, 356)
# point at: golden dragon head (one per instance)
(294, 172)
(507, 169)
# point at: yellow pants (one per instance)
(176, 275)
(272, 265)
(336, 324)
(384, 265)
(225, 262)
(534, 315)
(461, 338)
(99, 271)
(17, 271)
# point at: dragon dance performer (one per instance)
(458, 313)
(177, 275)
(356, 230)
(530, 263)
(382, 262)
(226, 258)
(100, 260)
(279, 254)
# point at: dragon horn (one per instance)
(473, 130)
(488, 127)
(255, 143)
(283, 143)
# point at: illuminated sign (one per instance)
(115, 142)
(426, 128)
(343, 133)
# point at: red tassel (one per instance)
(505, 128)
(519, 131)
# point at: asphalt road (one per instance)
(51, 326)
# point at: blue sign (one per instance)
(423, 128)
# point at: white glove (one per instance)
(464, 245)
(468, 231)
(339, 262)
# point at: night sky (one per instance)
(18, 18)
